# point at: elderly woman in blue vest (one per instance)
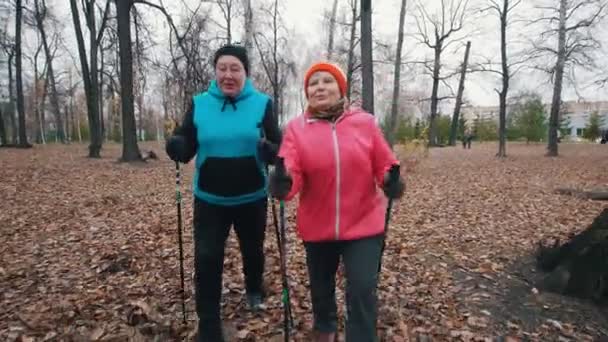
(233, 132)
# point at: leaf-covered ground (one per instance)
(88, 250)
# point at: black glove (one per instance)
(177, 149)
(280, 182)
(267, 151)
(393, 185)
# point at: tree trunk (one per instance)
(248, 25)
(351, 50)
(19, 73)
(3, 139)
(332, 29)
(94, 127)
(35, 102)
(397, 77)
(68, 133)
(141, 82)
(502, 117)
(130, 150)
(42, 106)
(435, 95)
(552, 147)
(367, 56)
(89, 77)
(102, 123)
(11, 100)
(60, 134)
(457, 107)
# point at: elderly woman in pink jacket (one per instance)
(337, 159)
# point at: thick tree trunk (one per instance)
(3, 138)
(11, 101)
(89, 77)
(19, 73)
(130, 149)
(579, 266)
(552, 147)
(367, 64)
(458, 106)
(435, 95)
(397, 77)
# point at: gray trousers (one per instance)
(361, 259)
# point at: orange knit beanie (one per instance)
(333, 69)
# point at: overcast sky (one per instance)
(304, 18)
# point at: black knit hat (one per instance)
(237, 51)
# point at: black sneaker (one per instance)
(255, 301)
(210, 333)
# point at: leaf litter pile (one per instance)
(88, 250)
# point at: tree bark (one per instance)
(130, 150)
(36, 103)
(3, 138)
(502, 117)
(397, 76)
(11, 100)
(19, 79)
(552, 147)
(351, 50)
(458, 106)
(89, 76)
(332, 29)
(102, 123)
(432, 134)
(367, 56)
(248, 25)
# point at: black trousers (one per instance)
(211, 228)
(361, 259)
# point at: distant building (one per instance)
(577, 112)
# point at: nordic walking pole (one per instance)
(281, 240)
(393, 176)
(178, 199)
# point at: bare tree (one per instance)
(228, 8)
(89, 69)
(438, 32)
(3, 136)
(458, 105)
(8, 48)
(19, 73)
(272, 51)
(352, 63)
(37, 95)
(397, 75)
(575, 20)
(130, 149)
(332, 30)
(367, 56)
(41, 15)
(248, 41)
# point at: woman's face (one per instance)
(230, 75)
(323, 91)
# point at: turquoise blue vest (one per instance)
(228, 170)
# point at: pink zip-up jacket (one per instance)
(337, 168)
